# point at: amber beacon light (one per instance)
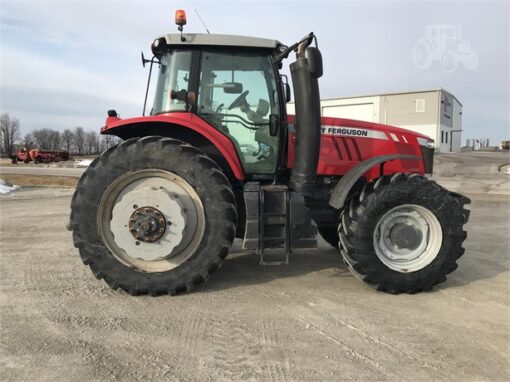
(180, 17)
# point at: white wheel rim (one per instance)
(407, 238)
(177, 206)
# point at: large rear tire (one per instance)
(403, 233)
(153, 216)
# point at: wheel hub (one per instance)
(405, 236)
(152, 220)
(147, 224)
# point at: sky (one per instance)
(65, 63)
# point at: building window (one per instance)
(442, 136)
(446, 137)
(420, 105)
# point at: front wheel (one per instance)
(153, 215)
(403, 233)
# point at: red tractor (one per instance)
(219, 158)
(21, 156)
(40, 156)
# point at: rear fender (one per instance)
(345, 184)
(187, 128)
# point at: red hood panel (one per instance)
(345, 142)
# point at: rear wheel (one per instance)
(153, 215)
(403, 233)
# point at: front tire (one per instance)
(403, 233)
(165, 186)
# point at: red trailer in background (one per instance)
(40, 156)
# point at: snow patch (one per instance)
(83, 163)
(6, 187)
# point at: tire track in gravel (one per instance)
(352, 353)
(372, 363)
(376, 341)
(235, 347)
(270, 341)
(191, 334)
(36, 273)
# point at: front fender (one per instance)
(344, 186)
(165, 124)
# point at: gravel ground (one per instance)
(308, 321)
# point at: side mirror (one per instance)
(314, 57)
(273, 125)
(233, 88)
(286, 88)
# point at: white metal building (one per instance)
(436, 113)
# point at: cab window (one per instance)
(174, 74)
(237, 94)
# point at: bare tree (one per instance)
(108, 141)
(67, 139)
(54, 139)
(92, 142)
(79, 140)
(10, 133)
(43, 138)
(28, 141)
(97, 144)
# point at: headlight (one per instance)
(427, 142)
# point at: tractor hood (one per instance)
(352, 128)
(345, 142)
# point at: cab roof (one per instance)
(220, 40)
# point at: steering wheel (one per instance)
(239, 101)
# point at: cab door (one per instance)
(238, 95)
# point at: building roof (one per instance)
(394, 93)
(220, 40)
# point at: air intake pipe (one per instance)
(305, 72)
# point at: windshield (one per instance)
(174, 73)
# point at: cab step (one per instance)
(277, 221)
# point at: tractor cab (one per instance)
(234, 90)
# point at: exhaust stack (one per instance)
(305, 72)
